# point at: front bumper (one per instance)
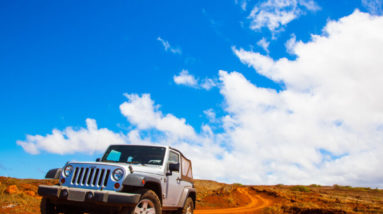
(62, 194)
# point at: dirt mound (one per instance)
(213, 195)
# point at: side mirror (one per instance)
(174, 167)
(98, 160)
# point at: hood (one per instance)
(150, 169)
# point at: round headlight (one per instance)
(118, 174)
(68, 170)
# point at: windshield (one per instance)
(135, 154)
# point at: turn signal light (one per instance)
(62, 180)
(116, 185)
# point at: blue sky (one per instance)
(63, 62)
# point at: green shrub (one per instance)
(339, 187)
(300, 188)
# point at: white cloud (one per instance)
(331, 105)
(263, 43)
(274, 14)
(373, 6)
(184, 78)
(208, 83)
(203, 147)
(325, 126)
(86, 140)
(210, 114)
(290, 44)
(310, 5)
(168, 47)
(143, 113)
(242, 3)
(187, 79)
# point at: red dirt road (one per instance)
(257, 203)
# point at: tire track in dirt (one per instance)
(257, 203)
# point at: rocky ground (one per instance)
(20, 196)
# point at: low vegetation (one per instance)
(20, 196)
(300, 188)
(321, 199)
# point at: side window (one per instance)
(174, 159)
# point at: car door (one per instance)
(174, 185)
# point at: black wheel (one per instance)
(149, 203)
(46, 207)
(188, 207)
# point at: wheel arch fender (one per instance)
(187, 192)
(154, 186)
(149, 182)
(53, 173)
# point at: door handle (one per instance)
(178, 179)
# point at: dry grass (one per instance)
(23, 200)
(213, 195)
(322, 199)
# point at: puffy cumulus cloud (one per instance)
(143, 113)
(274, 14)
(326, 125)
(168, 47)
(86, 140)
(187, 79)
(144, 116)
(203, 147)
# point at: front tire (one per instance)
(188, 207)
(149, 203)
(46, 207)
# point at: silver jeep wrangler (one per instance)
(127, 179)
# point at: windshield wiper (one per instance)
(112, 161)
(136, 162)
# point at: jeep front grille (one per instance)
(90, 176)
